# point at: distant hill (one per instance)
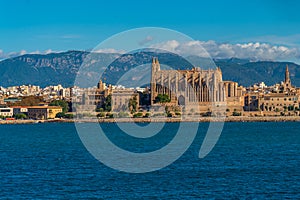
(62, 68)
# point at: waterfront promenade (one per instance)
(159, 120)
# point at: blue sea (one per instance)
(250, 161)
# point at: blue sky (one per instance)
(34, 25)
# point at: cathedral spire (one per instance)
(156, 61)
(153, 60)
(287, 75)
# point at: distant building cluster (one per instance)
(193, 91)
(279, 99)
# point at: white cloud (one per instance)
(4, 55)
(49, 51)
(288, 40)
(110, 50)
(253, 51)
(22, 52)
(170, 45)
(146, 40)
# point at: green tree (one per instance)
(109, 115)
(61, 103)
(138, 115)
(101, 115)
(99, 109)
(123, 114)
(169, 114)
(69, 116)
(107, 104)
(60, 115)
(145, 98)
(132, 104)
(235, 113)
(20, 116)
(162, 98)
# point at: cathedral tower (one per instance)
(287, 76)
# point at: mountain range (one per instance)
(62, 68)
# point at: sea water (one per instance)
(250, 160)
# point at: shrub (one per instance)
(162, 98)
(69, 116)
(138, 115)
(109, 115)
(147, 115)
(99, 109)
(169, 114)
(101, 115)
(20, 116)
(158, 114)
(123, 114)
(235, 113)
(177, 113)
(60, 115)
(207, 114)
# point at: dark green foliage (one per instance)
(123, 114)
(107, 104)
(138, 115)
(132, 104)
(69, 116)
(169, 114)
(20, 116)
(60, 115)
(162, 98)
(101, 115)
(99, 109)
(109, 115)
(145, 99)
(61, 103)
(207, 114)
(235, 113)
(147, 115)
(178, 113)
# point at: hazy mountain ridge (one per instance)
(62, 68)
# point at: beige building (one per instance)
(43, 112)
(97, 96)
(6, 112)
(19, 109)
(52, 111)
(120, 99)
(278, 102)
(234, 96)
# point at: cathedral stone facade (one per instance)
(190, 88)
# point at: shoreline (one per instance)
(162, 120)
